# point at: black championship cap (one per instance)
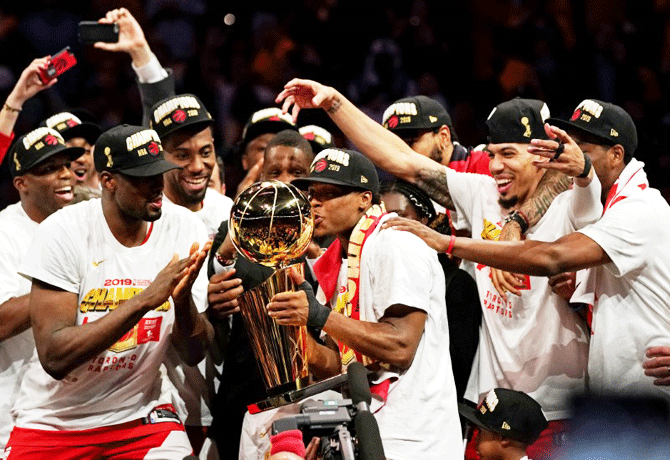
(418, 112)
(603, 120)
(269, 120)
(511, 413)
(177, 112)
(70, 126)
(517, 121)
(342, 167)
(131, 150)
(318, 137)
(36, 146)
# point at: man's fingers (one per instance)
(296, 276)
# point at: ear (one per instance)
(107, 181)
(20, 184)
(444, 134)
(616, 154)
(366, 201)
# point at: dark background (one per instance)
(470, 55)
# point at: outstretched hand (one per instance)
(570, 162)
(305, 94)
(435, 240)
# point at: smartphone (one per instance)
(59, 63)
(92, 31)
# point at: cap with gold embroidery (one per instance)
(177, 112)
(70, 126)
(318, 137)
(517, 121)
(603, 120)
(37, 146)
(511, 413)
(342, 167)
(131, 150)
(415, 113)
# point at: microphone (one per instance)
(367, 430)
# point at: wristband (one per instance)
(9, 108)
(318, 313)
(450, 248)
(518, 217)
(587, 166)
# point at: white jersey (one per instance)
(632, 310)
(75, 250)
(16, 233)
(420, 417)
(533, 343)
(196, 386)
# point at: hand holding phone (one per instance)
(92, 32)
(59, 63)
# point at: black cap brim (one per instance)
(470, 413)
(304, 182)
(154, 168)
(72, 154)
(176, 128)
(88, 131)
(569, 126)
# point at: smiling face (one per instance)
(512, 168)
(46, 187)
(83, 168)
(194, 152)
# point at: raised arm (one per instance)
(154, 82)
(385, 149)
(26, 87)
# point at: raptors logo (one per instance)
(320, 165)
(153, 149)
(309, 136)
(179, 116)
(50, 140)
(575, 115)
(393, 122)
(71, 123)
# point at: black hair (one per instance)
(291, 138)
(415, 196)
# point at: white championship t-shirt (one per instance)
(632, 307)
(420, 417)
(533, 343)
(16, 233)
(75, 250)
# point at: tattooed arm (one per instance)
(385, 149)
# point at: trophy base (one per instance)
(288, 387)
(297, 394)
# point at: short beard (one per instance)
(436, 154)
(507, 203)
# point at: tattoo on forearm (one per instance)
(549, 187)
(335, 106)
(434, 183)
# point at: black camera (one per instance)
(347, 429)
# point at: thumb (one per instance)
(296, 276)
(105, 46)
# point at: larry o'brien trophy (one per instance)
(271, 223)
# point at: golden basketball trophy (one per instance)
(271, 223)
